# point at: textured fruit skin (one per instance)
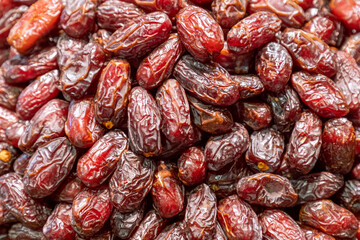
(349, 196)
(175, 111)
(48, 123)
(7, 118)
(274, 66)
(342, 224)
(316, 186)
(309, 52)
(99, 162)
(81, 127)
(304, 145)
(276, 224)
(131, 182)
(201, 35)
(14, 132)
(265, 150)
(171, 7)
(151, 225)
(347, 11)
(140, 36)
(58, 225)
(124, 224)
(238, 219)
(8, 154)
(192, 166)
(36, 94)
(144, 121)
(20, 231)
(338, 146)
(249, 85)
(253, 32)
(5, 216)
(229, 12)
(167, 191)
(313, 234)
(78, 17)
(320, 94)
(159, 64)
(48, 167)
(112, 93)
(67, 47)
(259, 189)
(20, 164)
(42, 16)
(254, 115)
(173, 231)
(8, 93)
(28, 211)
(209, 82)
(90, 210)
(227, 148)
(352, 46)
(68, 190)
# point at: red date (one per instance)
(249, 85)
(68, 189)
(8, 93)
(347, 11)
(228, 13)
(192, 166)
(254, 115)
(14, 132)
(124, 224)
(20, 164)
(19, 231)
(8, 20)
(150, 226)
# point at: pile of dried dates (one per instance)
(180, 119)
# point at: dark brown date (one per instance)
(192, 166)
(223, 149)
(8, 154)
(349, 196)
(131, 182)
(81, 127)
(112, 93)
(48, 123)
(253, 32)
(151, 225)
(209, 82)
(338, 146)
(159, 64)
(219, 233)
(5, 216)
(249, 85)
(8, 93)
(144, 120)
(174, 231)
(67, 48)
(124, 224)
(238, 219)
(320, 94)
(20, 164)
(21, 232)
(267, 189)
(254, 115)
(171, 8)
(68, 189)
(139, 36)
(201, 35)
(265, 150)
(228, 13)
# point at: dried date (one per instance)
(228, 13)
(349, 196)
(8, 20)
(8, 93)
(313, 234)
(20, 164)
(124, 224)
(347, 11)
(254, 115)
(249, 85)
(151, 225)
(352, 46)
(192, 166)
(68, 189)
(21, 232)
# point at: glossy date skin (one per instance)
(349, 196)
(175, 111)
(347, 11)
(238, 219)
(48, 123)
(8, 154)
(253, 32)
(352, 46)
(254, 115)
(174, 231)
(249, 85)
(124, 224)
(48, 167)
(14, 132)
(68, 190)
(67, 47)
(227, 148)
(159, 64)
(210, 82)
(144, 121)
(228, 13)
(8, 93)
(5, 216)
(20, 164)
(99, 162)
(192, 166)
(342, 224)
(8, 21)
(151, 225)
(195, 25)
(313, 234)
(20, 231)
(152, 29)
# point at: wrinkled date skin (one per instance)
(48, 123)
(174, 231)
(151, 225)
(81, 70)
(114, 14)
(200, 213)
(68, 190)
(253, 32)
(67, 48)
(36, 94)
(313, 234)
(201, 35)
(25, 209)
(35, 23)
(131, 182)
(144, 121)
(352, 46)
(7, 118)
(288, 11)
(170, 7)
(274, 66)
(338, 146)
(5, 216)
(19, 231)
(254, 115)
(238, 219)
(78, 17)
(210, 82)
(223, 149)
(342, 223)
(167, 190)
(229, 12)
(347, 11)
(267, 189)
(90, 210)
(81, 127)
(309, 52)
(112, 93)
(349, 196)
(320, 94)
(159, 64)
(175, 111)
(99, 162)
(58, 225)
(14, 132)
(304, 145)
(48, 167)
(139, 36)
(20, 164)
(123, 224)
(249, 85)
(315, 186)
(276, 224)
(8, 93)
(265, 150)
(192, 166)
